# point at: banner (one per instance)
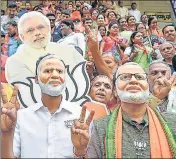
(161, 16)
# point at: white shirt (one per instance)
(38, 134)
(75, 39)
(136, 13)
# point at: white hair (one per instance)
(126, 64)
(156, 62)
(30, 15)
(166, 42)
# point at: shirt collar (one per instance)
(63, 105)
(130, 121)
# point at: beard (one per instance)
(53, 91)
(135, 98)
(39, 45)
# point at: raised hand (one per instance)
(9, 110)
(162, 86)
(92, 40)
(80, 132)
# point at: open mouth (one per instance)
(100, 95)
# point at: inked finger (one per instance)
(83, 114)
(90, 117)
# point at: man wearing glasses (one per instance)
(133, 129)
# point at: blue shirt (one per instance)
(56, 35)
(12, 46)
(21, 12)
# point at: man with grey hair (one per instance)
(159, 76)
(133, 130)
(43, 129)
(167, 51)
(35, 32)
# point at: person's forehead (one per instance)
(33, 22)
(51, 17)
(165, 45)
(169, 28)
(158, 67)
(102, 79)
(89, 21)
(130, 69)
(12, 8)
(52, 63)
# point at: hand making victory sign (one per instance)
(9, 109)
(163, 86)
(80, 132)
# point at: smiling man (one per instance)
(133, 130)
(43, 129)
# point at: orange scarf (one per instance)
(159, 146)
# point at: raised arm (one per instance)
(93, 46)
(8, 122)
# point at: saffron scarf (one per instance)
(162, 143)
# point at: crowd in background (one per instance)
(124, 34)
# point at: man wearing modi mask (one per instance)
(133, 130)
(43, 129)
(35, 33)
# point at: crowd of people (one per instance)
(131, 65)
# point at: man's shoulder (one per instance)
(170, 119)
(31, 108)
(101, 123)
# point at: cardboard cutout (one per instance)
(20, 70)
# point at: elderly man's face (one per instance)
(101, 89)
(167, 51)
(128, 82)
(54, 70)
(51, 77)
(131, 84)
(157, 71)
(36, 32)
(170, 33)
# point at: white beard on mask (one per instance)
(39, 45)
(135, 98)
(50, 90)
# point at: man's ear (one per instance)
(36, 79)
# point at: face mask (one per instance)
(135, 98)
(51, 90)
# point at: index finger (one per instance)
(90, 117)
(83, 114)
(3, 94)
(87, 29)
(14, 95)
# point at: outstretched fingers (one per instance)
(14, 95)
(90, 118)
(3, 94)
(83, 114)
